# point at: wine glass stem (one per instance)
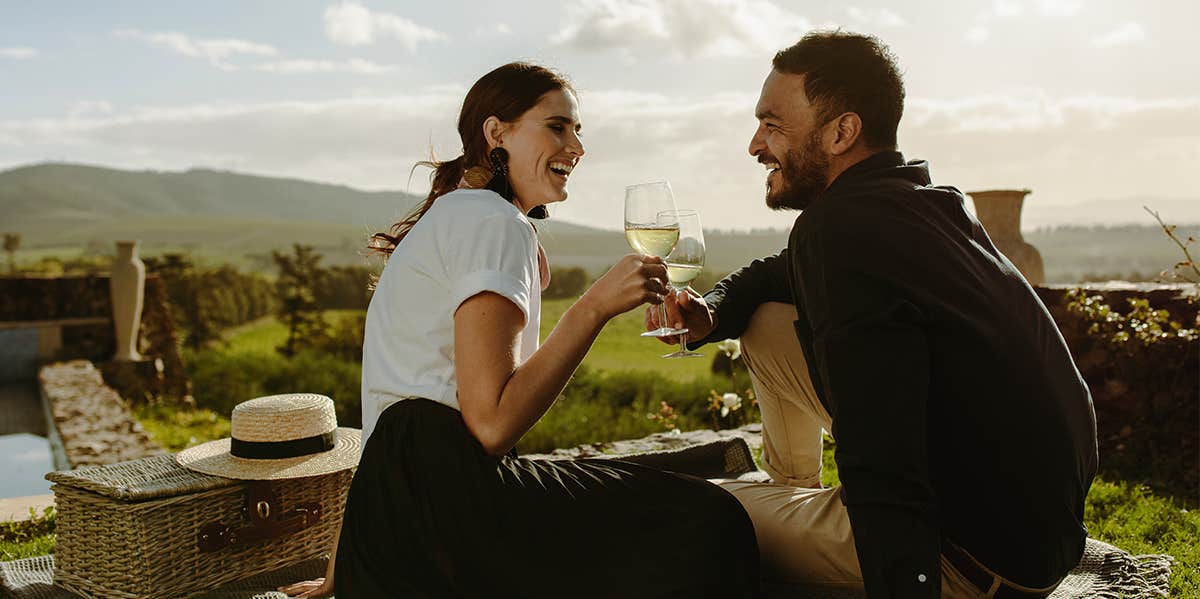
(662, 313)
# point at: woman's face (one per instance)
(543, 147)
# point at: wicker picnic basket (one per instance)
(150, 528)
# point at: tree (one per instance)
(566, 283)
(12, 241)
(300, 275)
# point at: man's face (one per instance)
(789, 142)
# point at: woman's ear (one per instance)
(493, 130)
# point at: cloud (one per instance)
(1127, 34)
(220, 54)
(977, 34)
(1066, 148)
(18, 52)
(1059, 8)
(682, 29)
(353, 24)
(301, 66)
(215, 51)
(494, 29)
(1045, 8)
(86, 107)
(882, 18)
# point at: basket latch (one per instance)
(261, 519)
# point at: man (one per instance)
(965, 435)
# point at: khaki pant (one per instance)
(803, 531)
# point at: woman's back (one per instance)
(468, 242)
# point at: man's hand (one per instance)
(687, 309)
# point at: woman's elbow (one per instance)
(493, 441)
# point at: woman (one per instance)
(453, 377)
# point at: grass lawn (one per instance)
(620, 346)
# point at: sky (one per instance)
(1092, 105)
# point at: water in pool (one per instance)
(24, 461)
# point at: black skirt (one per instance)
(430, 514)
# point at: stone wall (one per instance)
(93, 422)
(1147, 407)
(39, 299)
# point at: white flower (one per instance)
(730, 402)
(731, 347)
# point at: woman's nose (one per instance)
(575, 147)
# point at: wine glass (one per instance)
(685, 262)
(652, 228)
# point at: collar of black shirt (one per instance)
(888, 163)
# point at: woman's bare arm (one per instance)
(500, 401)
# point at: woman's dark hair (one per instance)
(849, 72)
(506, 93)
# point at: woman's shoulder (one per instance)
(473, 204)
(463, 209)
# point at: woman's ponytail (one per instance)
(446, 176)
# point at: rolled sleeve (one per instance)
(496, 253)
(495, 281)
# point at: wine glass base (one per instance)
(664, 332)
(683, 354)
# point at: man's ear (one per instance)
(493, 131)
(847, 129)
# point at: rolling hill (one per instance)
(218, 216)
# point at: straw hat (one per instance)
(276, 437)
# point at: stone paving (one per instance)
(95, 426)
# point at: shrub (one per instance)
(601, 406)
(223, 380)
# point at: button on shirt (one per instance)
(470, 241)
(956, 407)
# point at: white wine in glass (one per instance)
(684, 264)
(651, 228)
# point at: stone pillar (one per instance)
(127, 288)
(1000, 213)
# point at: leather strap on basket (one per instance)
(262, 521)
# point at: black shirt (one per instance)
(957, 410)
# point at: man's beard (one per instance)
(803, 176)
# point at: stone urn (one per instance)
(999, 211)
(126, 289)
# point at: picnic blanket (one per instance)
(1104, 572)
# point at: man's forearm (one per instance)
(735, 298)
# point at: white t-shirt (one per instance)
(470, 241)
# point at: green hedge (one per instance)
(223, 380)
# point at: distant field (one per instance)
(265, 334)
(619, 346)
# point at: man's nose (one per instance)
(757, 144)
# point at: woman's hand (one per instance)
(320, 587)
(310, 589)
(631, 282)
